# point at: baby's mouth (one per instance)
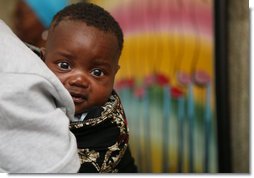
(78, 98)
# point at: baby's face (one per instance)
(85, 60)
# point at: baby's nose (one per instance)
(79, 80)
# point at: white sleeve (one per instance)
(34, 132)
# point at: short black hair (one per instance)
(92, 15)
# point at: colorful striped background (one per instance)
(166, 82)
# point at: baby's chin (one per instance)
(80, 110)
(86, 110)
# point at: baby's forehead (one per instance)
(72, 21)
(76, 29)
(106, 28)
(70, 24)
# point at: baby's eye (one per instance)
(64, 65)
(97, 72)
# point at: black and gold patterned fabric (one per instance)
(102, 139)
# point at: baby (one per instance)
(83, 48)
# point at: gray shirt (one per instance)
(35, 110)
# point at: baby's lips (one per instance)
(78, 99)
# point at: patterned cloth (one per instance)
(102, 139)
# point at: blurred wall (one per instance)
(239, 83)
(6, 10)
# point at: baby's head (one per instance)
(83, 48)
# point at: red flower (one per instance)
(176, 92)
(162, 80)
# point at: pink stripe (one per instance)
(164, 16)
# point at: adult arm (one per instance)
(34, 133)
(35, 110)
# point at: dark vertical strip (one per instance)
(208, 129)
(147, 131)
(165, 128)
(222, 86)
(191, 117)
(180, 117)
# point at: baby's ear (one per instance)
(42, 55)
